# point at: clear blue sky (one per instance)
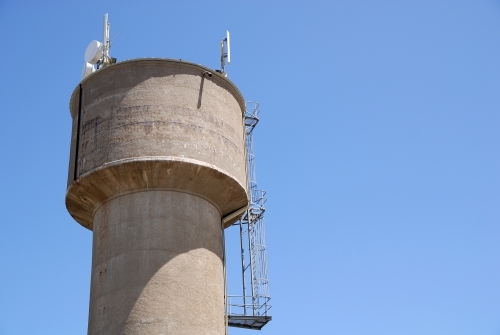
(379, 147)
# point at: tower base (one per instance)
(156, 262)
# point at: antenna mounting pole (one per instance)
(105, 41)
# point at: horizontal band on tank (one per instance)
(178, 174)
(216, 77)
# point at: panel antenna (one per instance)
(225, 53)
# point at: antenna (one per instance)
(87, 69)
(97, 53)
(228, 45)
(93, 52)
(225, 52)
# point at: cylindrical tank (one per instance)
(157, 161)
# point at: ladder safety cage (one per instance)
(250, 310)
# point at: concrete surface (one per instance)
(162, 276)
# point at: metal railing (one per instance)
(237, 306)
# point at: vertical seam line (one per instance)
(78, 134)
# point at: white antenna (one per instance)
(93, 52)
(97, 53)
(225, 52)
(91, 57)
(228, 44)
(87, 69)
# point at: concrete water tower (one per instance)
(158, 169)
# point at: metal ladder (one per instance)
(251, 310)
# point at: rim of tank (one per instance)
(216, 76)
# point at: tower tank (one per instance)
(157, 161)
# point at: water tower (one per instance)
(159, 167)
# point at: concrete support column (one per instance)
(156, 266)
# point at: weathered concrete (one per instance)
(157, 159)
(156, 266)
